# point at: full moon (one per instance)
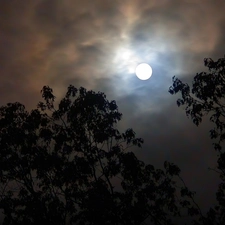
(143, 71)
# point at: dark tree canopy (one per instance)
(206, 97)
(70, 165)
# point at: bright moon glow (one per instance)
(143, 71)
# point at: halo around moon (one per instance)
(143, 71)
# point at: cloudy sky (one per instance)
(97, 44)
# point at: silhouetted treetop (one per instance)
(67, 163)
(206, 96)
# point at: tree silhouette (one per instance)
(207, 97)
(70, 165)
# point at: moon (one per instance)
(143, 71)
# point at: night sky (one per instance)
(97, 44)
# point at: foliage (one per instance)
(207, 97)
(71, 165)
